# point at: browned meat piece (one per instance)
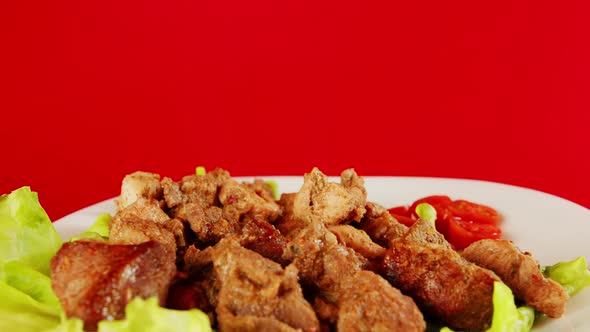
(195, 260)
(172, 194)
(135, 231)
(144, 208)
(355, 185)
(208, 223)
(256, 293)
(144, 220)
(256, 235)
(198, 264)
(327, 312)
(335, 270)
(358, 240)
(137, 185)
(443, 284)
(239, 200)
(344, 288)
(287, 223)
(328, 202)
(263, 238)
(521, 273)
(210, 226)
(202, 189)
(381, 226)
(261, 189)
(176, 227)
(186, 294)
(423, 232)
(368, 303)
(249, 323)
(117, 274)
(321, 261)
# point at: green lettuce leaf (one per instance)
(68, 325)
(20, 312)
(274, 187)
(28, 241)
(98, 231)
(26, 233)
(147, 316)
(507, 317)
(30, 282)
(573, 276)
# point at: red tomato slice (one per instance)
(403, 219)
(472, 211)
(440, 203)
(464, 232)
(461, 222)
(437, 201)
(401, 211)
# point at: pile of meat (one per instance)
(320, 259)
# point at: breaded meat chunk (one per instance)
(521, 273)
(95, 280)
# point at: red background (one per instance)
(91, 91)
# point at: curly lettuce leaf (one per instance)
(274, 187)
(148, 316)
(28, 241)
(98, 231)
(30, 282)
(507, 317)
(573, 276)
(26, 233)
(68, 325)
(21, 312)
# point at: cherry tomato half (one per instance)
(461, 222)
(437, 201)
(401, 211)
(464, 232)
(467, 210)
(440, 203)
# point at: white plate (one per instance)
(551, 228)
